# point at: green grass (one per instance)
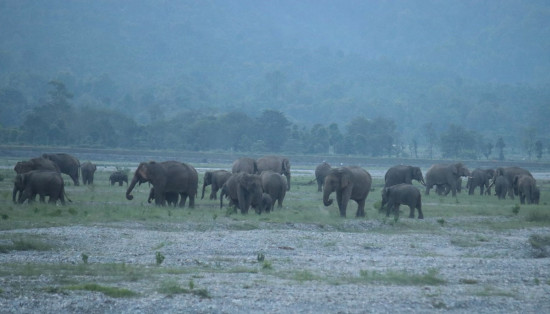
(113, 292)
(403, 278)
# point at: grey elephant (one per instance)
(35, 164)
(39, 182)
(501, 187)
(170, 197)
(349, 183)
(526, 187)
(167, 176)
(67, 164)
(444, 189)
(267, 203)
(321, 172)
(88, 170)
(118, 176)
(216, 179)
(509, 173)
(245, 164)
(445, 174)
(403, 174)
(244, 191)
(403, 193)
(274, 184)
(480, 178)
(277, 164)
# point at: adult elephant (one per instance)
(246, 165)
(509, 173)
(480, 178)
(501, 187)
(67, 164)
(118, 176)
(403, 193)
(275, 185)
(170, 197)
(244, 190)
(216, 179)
(321, 171)
(35, 164)
(88, 170)
(41, 182)
(349, 183)
(526, 187)
(403, 174)
(277, 164)
(167, 176)
(445, 174)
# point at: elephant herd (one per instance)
(262, 183)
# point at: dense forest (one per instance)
(451, 79)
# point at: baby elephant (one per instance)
(170, 197)
(118, 176)
(403, 193)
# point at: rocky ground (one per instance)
(362, 266)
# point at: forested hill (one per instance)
(483, 66)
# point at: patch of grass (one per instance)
(464, 242)
(468, 281)
(267, 265)
(113, 292)
(489, 291)
(403, 278)
(171, 288)
(25, 244)
(541, 244)
(304, 275)
(159, 258)
(538, 216)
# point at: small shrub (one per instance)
(159, 258)
(267, 265)
(84, 258)
(538, 216)
(108, 291)
(541, 244)
(441, 221)
(5, 217)
(260, 257)
(515, 209)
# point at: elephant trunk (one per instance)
(15, 190)
(288, 182)
(326, 194)
(203, 188)
(129, 195)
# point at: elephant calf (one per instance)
(41, 182)
(526, 187)
(118, 176)
(407, 194)
(170, 197)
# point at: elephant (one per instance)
(321, 172)
(526, 187)
(35, 164)
(348, 183)
(403, 193)
(267, 202)
(501, 187)
(403, 174)
(67, 164)
(444, 189)
(445, 174)
(118, 176)
(481, 178)
(167, 176)
(245, 164)
(243, 190)
(277, 164)
(510, 173)
(170, 197)
(215, 178)
(275, 185)
(41, 182)
(88, 169)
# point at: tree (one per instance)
(429, 133)
(457, 142)
(487, 149)
(500, 146)
(538, 149)
(273, 129)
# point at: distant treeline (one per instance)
(57, 122)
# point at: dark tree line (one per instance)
(56, 121)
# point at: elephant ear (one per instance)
(515, 183)
(455, 168)
(345, 178)
(142, 171)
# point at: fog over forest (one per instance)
(452, 79)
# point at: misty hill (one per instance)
(484, 65)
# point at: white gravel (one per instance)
(308, 268)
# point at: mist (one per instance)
(407, 71)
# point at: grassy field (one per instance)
(463, 224)
(103, 203)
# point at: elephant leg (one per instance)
(428, 188)
(159, 197)
(340, 205)
(420, 214)
(183, 199)
(192, 201)
(411, 211)
(482, 189)
(319, 186)
(360, 208)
